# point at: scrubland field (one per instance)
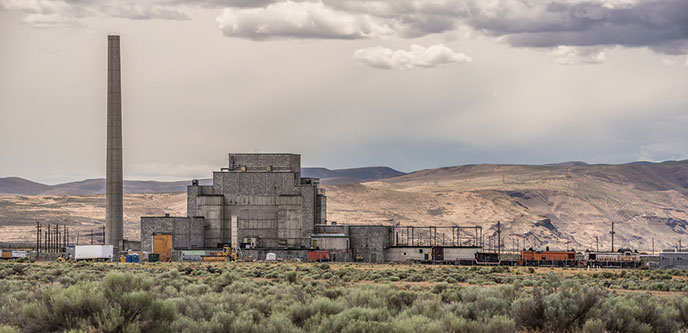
(284, 297)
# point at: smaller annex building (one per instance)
(669, 259)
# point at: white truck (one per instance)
(90, 252)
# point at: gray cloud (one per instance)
(50, 13)
(661, 25)
(417, 57)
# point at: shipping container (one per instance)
(90, 252)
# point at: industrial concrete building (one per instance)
(669, 259)
(259, 204)
(258, 201)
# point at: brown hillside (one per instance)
(541, 205)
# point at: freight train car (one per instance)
(13, 254)
(623, 258)
(485, 259)
(549, 258)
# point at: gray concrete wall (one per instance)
(263, 161)
(212, 209)
(192, 192)
(331, 243)
(331, 229)
(187, 232)
(369, 242)
(321, 209)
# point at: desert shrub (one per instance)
(60, 309)
(452, 323)
(416, 323)
(438, 288)
(357, 320)
(593, 326)
(291, 276)
(206, 298)
(120, 302)
(480, 303)
(366, 298)
(225, 279)
(427, 307)
(529, 311)
(681, 305)
(195, 289)
(638, 313)
(400, 299)
(8, 329)
(570, 307)
(500, 324)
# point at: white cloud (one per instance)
(298, 20)
(573, 55)
(417, 57)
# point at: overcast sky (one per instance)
(346, 83)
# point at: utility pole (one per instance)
(612, 233)
(49, 244)
(499, 239)
(38, 239)
(597, 241)
(653, 246)
(679, 245)
(91, 236)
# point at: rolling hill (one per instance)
(562, 205)
(20, 186)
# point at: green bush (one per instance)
(238, 298)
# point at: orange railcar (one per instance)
(548, 258)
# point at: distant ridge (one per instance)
(567, 164)
(21, 186)
(350, 176)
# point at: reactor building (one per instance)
(260, 205)
(257, 201)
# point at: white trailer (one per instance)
(90, 252)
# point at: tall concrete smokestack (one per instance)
(114, 228)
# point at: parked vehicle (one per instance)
(90, 252)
